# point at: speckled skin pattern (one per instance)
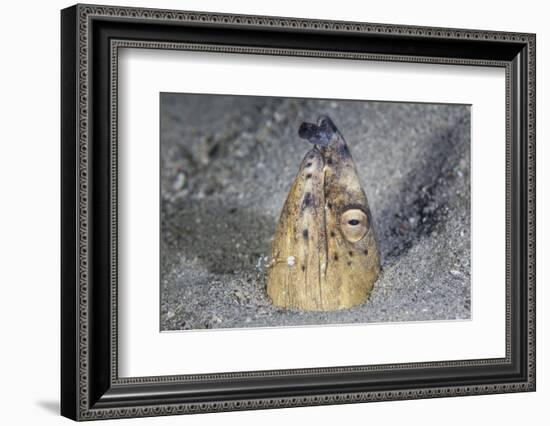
(326, 271)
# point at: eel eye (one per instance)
(354, 224)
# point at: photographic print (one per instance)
(291, 212)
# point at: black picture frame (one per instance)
(90, 386)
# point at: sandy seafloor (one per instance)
(227, 163)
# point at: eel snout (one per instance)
(320, 133)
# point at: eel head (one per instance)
(325, 254)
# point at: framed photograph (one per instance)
(263, 212)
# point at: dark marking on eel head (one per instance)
(335, 257)
(308, 176)
(332, 234)
(350, 254)
(305, 233)
(308, 200)
(303, 268)
(341, 151)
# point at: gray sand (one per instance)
(227, 165)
